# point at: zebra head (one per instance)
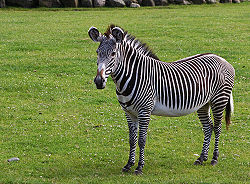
(107, 52)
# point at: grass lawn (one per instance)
(64, 130)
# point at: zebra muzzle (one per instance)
(99, 81)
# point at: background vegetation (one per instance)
(64, 130)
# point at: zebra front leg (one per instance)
(143, 118)
(133, 127)
(205, 118)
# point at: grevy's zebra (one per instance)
(145, 85)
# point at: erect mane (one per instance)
(108, 31)
(135, 43)
(138, 45)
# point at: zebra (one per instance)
(146, 86)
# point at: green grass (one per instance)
(64, 130)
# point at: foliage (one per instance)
(64, 130)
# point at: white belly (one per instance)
(162, 110)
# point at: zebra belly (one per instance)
(162, 110)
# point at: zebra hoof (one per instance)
(214, 162)
(138, 172)
(124, 169)
(198, 162)
(127, 167)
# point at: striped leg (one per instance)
(218, 114)
(133, 127)
(218, 106)
(143, 119)
(204, 116)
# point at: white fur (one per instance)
(162, 110)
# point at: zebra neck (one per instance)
(126, 71)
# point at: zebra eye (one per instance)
(113, 54)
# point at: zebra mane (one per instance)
(133, 42)
(138, 45)
(108, 31)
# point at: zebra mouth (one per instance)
(100, 87)
(99, 82)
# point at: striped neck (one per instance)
(129, 53)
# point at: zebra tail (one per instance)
(229, 110)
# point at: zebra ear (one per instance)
(94, 34)
(118, 34)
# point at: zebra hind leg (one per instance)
(205, 118)
(218, 114)
(218, 106)
(133, 127)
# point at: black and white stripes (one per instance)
(146, 86)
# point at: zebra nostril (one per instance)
(99, 81)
